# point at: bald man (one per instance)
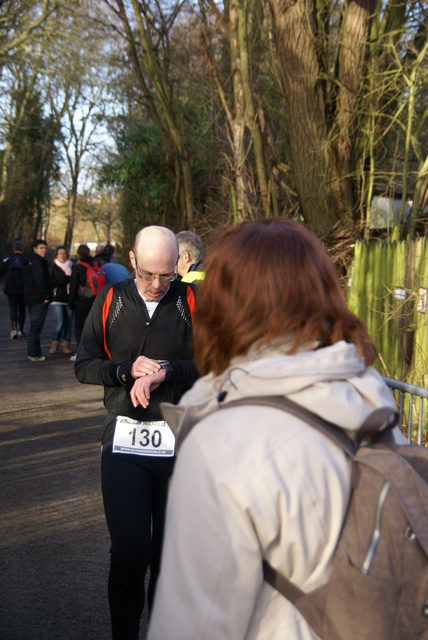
(137, 342)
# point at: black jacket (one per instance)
(59, 282)
(129, 333)
(13, 269)
(77, 283)
(37, 285)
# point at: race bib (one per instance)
(151, 438)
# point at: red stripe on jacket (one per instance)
(191, 301)
(106, 308)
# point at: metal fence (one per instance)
(406, 395)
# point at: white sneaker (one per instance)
(37, 358)
(73, 358)
(13, 335)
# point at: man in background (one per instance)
(113, 270)
(38, 295)
(191, 256)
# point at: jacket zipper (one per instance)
(376, 532)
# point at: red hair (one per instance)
(267, 279)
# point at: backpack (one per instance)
(378, 587)
(95, 279)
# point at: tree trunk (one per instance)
(306, 110)
(72, 199)
(353, 60)
(237, 125)
(323, 153)
(252, 118)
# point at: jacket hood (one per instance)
(332, 382)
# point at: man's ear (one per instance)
(132, 258)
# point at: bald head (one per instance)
(154, 242)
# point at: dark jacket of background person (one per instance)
(77, 301)
(59, 282)
(78, 282)
(12, 268)
(37, 284)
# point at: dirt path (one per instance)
(54, 544)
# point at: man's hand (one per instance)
(144, 367)
(140, 392)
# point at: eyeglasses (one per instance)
(151, 277)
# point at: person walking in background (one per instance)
(38, 295)
(113, 270)
(102, 253)
(253, 483)
(12, 269)
(191, 256)
(77, 300)
(60, 273)
(137, 342)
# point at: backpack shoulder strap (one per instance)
(337, 435)
(384, 417)
(281, 583)
(106, 308)
(84, 264)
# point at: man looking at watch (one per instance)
(137, 342)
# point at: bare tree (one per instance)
(227, 37)
(147, 31)
(25, 22)
(76, 82)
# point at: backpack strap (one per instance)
(106, 309)
(329, 429)
(281, 583)
(384, 417)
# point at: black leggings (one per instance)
(134, 493)
(17, 311)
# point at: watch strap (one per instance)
(167, 366)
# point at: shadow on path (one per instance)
(54, 543)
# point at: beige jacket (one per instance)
(253, 483)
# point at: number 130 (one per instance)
(154, 439)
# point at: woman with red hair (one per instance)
(254, 483)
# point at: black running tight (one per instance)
(134, 493)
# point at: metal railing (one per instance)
(402, 389)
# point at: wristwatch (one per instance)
(167, 366)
